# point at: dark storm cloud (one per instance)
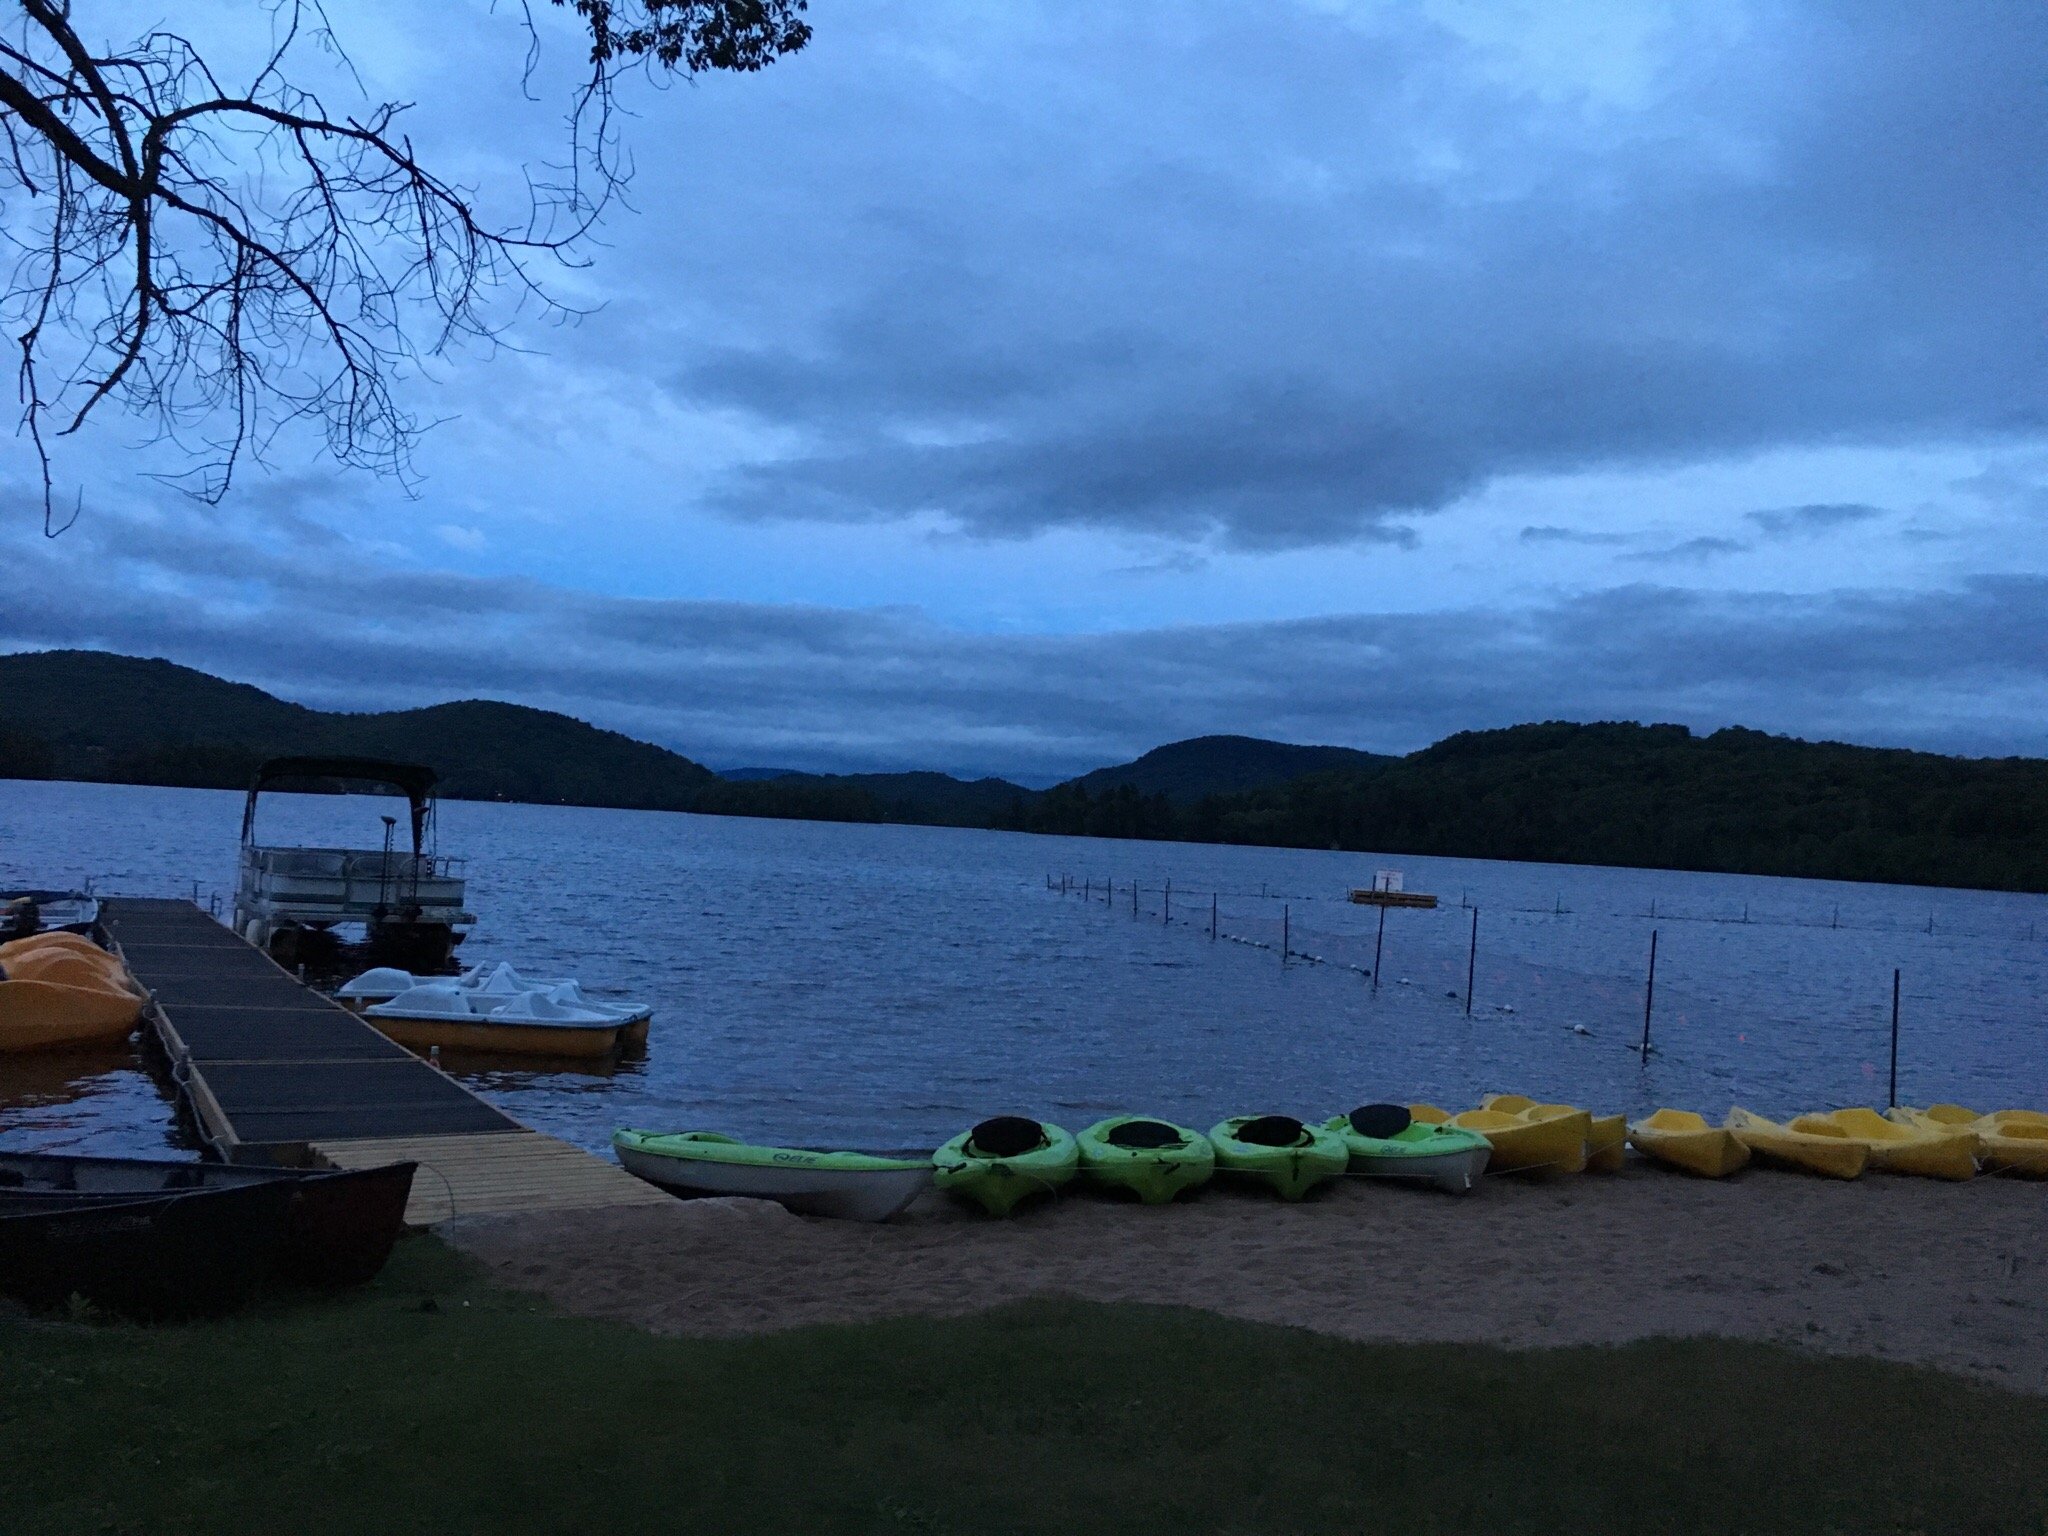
(1815, 518)
(743, 683)
(1227, 295)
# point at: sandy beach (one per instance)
(1952, 1276)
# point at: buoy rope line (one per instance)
(1656, 913)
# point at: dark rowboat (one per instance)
(194, 1254)
(342, 1221)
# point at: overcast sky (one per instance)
(1013, 388)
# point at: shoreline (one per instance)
(1893, 1268)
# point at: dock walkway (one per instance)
(274, 1072)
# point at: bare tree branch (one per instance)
(224, 262)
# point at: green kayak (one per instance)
(1279, 1151)
(1001, 1161)
(856, 1186)
(1385, 1143)
(1153, 1159)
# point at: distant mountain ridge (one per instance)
(93, 715)
(1185, 771)
(1610, 793)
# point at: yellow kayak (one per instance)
(1680, 1139)
(1543, 1136)
(2015, 1141)
(1607, 1144)
(2011, 1141)
(1428, 1114)
(1948, 1153)
(1832, 1155)
(1606, 1135)
(1926, 1123)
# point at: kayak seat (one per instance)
(1006, 1136)
(1381, 1122)
(1144, 1134)
(1272, 1131)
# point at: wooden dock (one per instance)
(273, 1072)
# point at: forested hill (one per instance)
(91, 715)
(1655, 796)
(1185, 771)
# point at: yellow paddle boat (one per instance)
(1606, 1135)
(1428, 1114)
(1680, 1139)
(1550, 1137)
(61, 992)
(1607, 1144)
(1948, 1153)
(2011, 1141)
(1831, 1154)
(2014, 1141)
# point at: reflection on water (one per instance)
(99, 1101)
(885, 986)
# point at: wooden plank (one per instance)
(494, 1172)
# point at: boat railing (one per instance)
(350, 879)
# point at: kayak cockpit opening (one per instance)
(1144, 1135)
(1007, 1136)
(1381, 1122)
(1272, 1131)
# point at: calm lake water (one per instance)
(886, 986)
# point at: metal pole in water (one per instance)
(1471, 962)
(1379, 944)
(1286, 941)
(1134, 898)
(1166, 904)
(1895, 1038)
(1212, 916)
(1649, 994)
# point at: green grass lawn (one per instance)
(434, 1404)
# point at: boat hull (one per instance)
(485, 1036)
(1290, 1172)
(56, 1016)
(1156, 1175)
(846, 1194)
(341, 1228)
(1000, 1184)
(1831, 1157)
(1607, 1144)
(1453, 1172)
(193, 1254)
(1945, 1152)
(1549, 1143)
(1426, 1153)
(1688, 1143)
